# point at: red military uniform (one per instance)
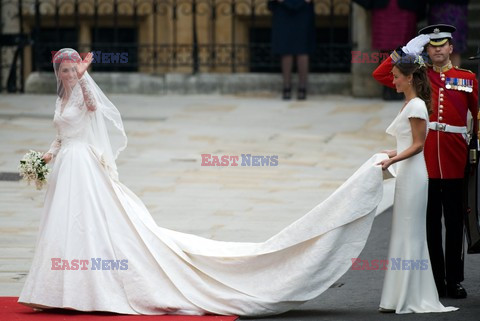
(446, 153)
(454, 93)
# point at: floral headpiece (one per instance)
(419, 61)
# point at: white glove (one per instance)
(416, 45)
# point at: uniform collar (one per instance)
(445, 68)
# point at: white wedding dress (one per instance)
(410, 288)
(89, 214)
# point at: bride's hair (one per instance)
(420, 81)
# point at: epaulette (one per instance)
(458, 68)
(396, 54)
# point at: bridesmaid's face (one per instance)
(68, 74)
(400, 81)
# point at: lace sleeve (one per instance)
(55, 146)
(88, 96)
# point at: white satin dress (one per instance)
(410, 288)
(89, 214)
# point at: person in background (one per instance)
(455, 13)
(393, 23)
(293, 34)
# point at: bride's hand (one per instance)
(83, 65)
(47, 157)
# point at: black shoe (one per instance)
(302, 94)
(456, 291)
(287, 93)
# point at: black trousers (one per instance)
(445, 197)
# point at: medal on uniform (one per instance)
(448, 83)
(459, 84)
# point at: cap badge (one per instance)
(436, 30)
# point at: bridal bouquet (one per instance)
(33, 168)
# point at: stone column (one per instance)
(84, 37)
(363, 84)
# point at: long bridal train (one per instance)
(89, 214)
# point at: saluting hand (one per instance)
(416, 45)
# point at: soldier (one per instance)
(454, 93)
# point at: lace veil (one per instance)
(105, 129)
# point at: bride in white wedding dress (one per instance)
(99, 249)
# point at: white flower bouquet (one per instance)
(33, 168)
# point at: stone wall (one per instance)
(202, 83)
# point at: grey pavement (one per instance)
(319, 144)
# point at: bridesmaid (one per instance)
(409, 286)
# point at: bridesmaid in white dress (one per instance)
(409, 288)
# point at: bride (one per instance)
(99, 249)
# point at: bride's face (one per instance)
(68, 74)
(401, 82)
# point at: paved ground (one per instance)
(319, 143)
(357, 294)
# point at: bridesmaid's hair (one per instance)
(420, 80)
